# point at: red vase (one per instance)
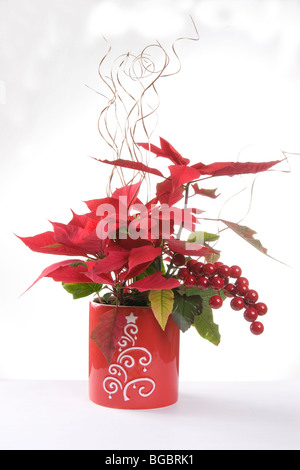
(144, 369)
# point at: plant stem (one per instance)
(186, 199)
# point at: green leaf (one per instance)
(80, 289)
(108, 297)
(202, 237)
(162, 305)
(208, 293)
(203, 323)
(78, 263)
(206, 327)
(204, 294)
(185, 309)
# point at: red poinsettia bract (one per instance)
(170, 190)
(120, 259)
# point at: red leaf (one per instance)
(234, 168)
(152, 202)
(142, 255)
(130, 192)
(114, 261)
(183, 174)
(108, 332)
(46, 243)
(51, 269)
(211, 168)
(174, 156)
(167, 194)
(205, 192)
(139, 166)
(163, 220)
(74, 236)
(70, 274)
(134, 272)
(129, 243)
(95, 203)
(166, 151)
(139, 259)
(190, 249)
(79, 220)
(104, 278)
(87, 221)
(155, 281)
(152, 148)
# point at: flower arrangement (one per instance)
(128, 253)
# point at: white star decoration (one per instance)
(131, 318)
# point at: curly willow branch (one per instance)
(133, 101)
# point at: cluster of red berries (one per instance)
(216, 276)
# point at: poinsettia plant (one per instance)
(127, 253)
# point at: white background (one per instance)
(238, 95)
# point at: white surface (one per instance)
(40, 415)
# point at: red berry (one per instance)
(230, 290)
(178, 259)
(197, 268)
(237, 303)
(250, 314)
(235, 271)
(183, 273)
(216, 283)
(257, 328)
(261, 308)
(242, 281)
(202, 283)
(251, 297)
(218, 264)
(224, 271)
(215, 302)
(242, 289)
(209, 269)
(190, 281)
(190, 263)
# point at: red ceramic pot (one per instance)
(144, 370)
